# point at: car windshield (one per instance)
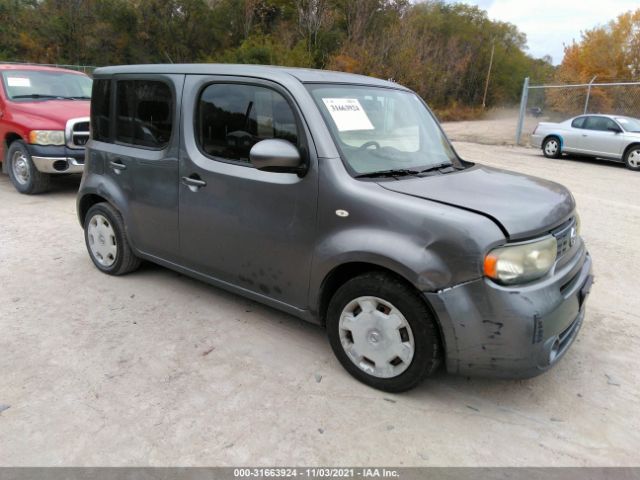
(382, 130)
(629, 124)
(45, 85)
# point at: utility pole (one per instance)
(486, 85)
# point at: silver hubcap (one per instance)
(551, 147)
(634, 158)
(20, 167)
(376, 337)
(102, 240)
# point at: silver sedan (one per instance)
(613, 137)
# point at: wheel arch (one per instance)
(342, 273)
(553, 135)
(9, 138)
(628, 148)
(87, 201)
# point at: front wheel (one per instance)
(551, 148)
(382, 332)
(24, 175)
(106, 241)
(632, 158)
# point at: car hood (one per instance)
(521, 205)
(58, 111)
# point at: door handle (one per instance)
(194, 182)
(117, 166)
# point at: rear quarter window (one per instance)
(101, 110)
(578, 122)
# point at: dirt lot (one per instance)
(498, 128)
(158, 369)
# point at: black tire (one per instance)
(427, 350)
(32, 181)
(548, 149)
(632, 158)
(124, 260)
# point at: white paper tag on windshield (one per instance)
(348, 114)
(18, 82)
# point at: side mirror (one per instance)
(614, 129)
(276, 155)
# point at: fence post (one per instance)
(523, 108)
(586, 102)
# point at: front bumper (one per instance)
(513, 332)
(57, 159)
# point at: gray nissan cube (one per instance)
(336, 198)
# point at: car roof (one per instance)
(305, 75)
(607, 115)
(35, 67)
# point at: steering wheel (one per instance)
(371, 143)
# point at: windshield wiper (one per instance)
(35, 95)
(440, 166)
(401, 172)
(56, 97)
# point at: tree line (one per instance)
(441, 50)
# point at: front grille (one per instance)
(566, 236)
(77, 132)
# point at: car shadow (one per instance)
(64, 184)
(593, 161)
(440, 384)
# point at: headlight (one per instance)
(46, 137)
(521, 263)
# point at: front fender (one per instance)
(403, 255)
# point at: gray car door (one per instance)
(599, 139)
(245, 227)
(143, 160)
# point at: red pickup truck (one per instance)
(44, 123)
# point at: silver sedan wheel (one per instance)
(20, 167)
(551, 147)
(102, 240)
(634, 158)
(376, 337)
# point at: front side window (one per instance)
(25, 85)
(599, 123)
(144, 113)
(232, 118)
(381, 129)
(101, 110)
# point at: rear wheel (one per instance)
(23, 173)
(632, 158)
(551, 148)
(382, 332)
(106, 241)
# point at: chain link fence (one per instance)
(556, 103)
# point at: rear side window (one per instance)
(578, 122)
(233, 118)
(144, 113)
(101, 110)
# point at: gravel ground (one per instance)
(157, 369)
(498, 128)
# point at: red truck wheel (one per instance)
(23, 173)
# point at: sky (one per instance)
(549, 24)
